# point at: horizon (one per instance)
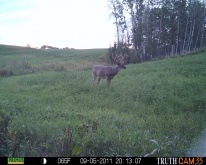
(75, 24)
(60, 48)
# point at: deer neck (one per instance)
(116, 69)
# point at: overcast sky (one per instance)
(60, 23)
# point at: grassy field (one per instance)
(48, 106)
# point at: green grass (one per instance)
(154, 107)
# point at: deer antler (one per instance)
(123, 57)
(117, 59)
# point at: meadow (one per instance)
(48, 106)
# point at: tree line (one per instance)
(147, 29)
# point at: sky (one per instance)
(79, 24)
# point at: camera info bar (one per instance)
(103, 160)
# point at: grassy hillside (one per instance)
(155, 108)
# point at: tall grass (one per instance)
(150, 109)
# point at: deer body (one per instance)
(108, 72)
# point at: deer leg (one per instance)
(94, 78)
(99, 80)
(108, 80)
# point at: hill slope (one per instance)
(154, 108)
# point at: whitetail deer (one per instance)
(108, 72)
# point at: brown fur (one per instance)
(108, 72)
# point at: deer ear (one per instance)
(118, 63)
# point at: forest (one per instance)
(157, 28)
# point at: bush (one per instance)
(4, 72)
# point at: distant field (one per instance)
(19, 60)
(48, 106)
